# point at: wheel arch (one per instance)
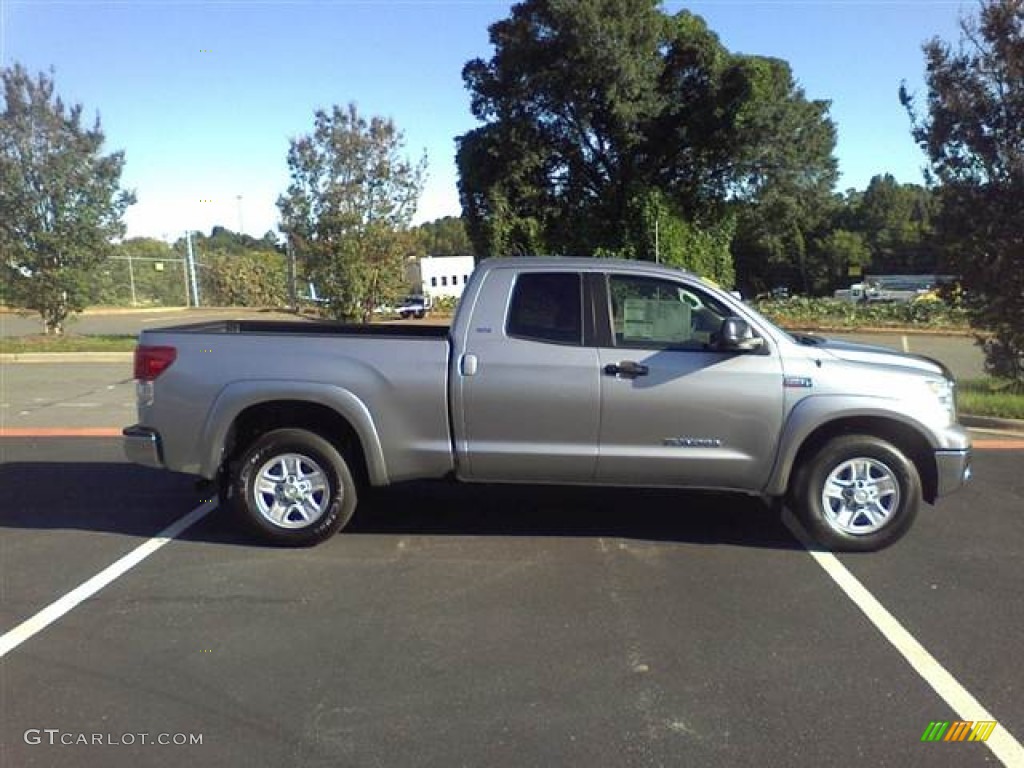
(908, 439)
(241, 413)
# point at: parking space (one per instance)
(70, 508)
(956, 582)
(501, 626)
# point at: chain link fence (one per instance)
(125, 281)
(223, 280)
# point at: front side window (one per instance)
(547, 306)
(652, 313)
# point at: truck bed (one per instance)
(394, 376)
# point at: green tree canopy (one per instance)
(972, 135)
(896, 220)
(591, 109)
(445, 237)
(348, 208)
(61, 204)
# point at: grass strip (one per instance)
(991, 397)
(67, 343)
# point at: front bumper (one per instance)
(954, 470)
(142, 446)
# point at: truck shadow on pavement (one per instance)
(125, 499)
(448, 509)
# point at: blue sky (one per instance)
(203, 95)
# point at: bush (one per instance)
(255, 279)
(444, 305)
(803, 312)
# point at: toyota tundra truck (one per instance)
(554, 371)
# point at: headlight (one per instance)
(945, 391)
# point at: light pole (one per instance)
(131, 277)
(192, 267)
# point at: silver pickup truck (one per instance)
(560, 371)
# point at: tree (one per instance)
(843, 250)
(60, 199)
(591, 109)
(975, 146)
(896, 220)
(348, 208)
(445, 237)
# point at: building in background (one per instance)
(443, 276)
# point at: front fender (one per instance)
(814, 412)
(238, 396)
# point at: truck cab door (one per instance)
(526, 390)
(674, 410)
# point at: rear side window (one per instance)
(547, 306)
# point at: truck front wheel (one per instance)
(858, 493)
(294, 487)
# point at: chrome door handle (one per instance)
(626, 368)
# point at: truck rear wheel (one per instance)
(294, 487)
(857, 494)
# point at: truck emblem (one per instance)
(797, 382)
(692, 442)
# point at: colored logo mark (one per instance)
(959, 730)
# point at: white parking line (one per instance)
(1001, 742)
(87, 589)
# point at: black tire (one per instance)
(874, 499)
(288, 460)
(420, 315)
(404, 315)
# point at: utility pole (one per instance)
(657, 249)
(131, 277)
(293, 296)
(192, 267)
(184, 272)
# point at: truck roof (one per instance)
(584, 264)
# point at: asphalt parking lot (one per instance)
(478, 625)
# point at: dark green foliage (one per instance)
(972, 134)
(445, 237)
(223, 240)
(602, 117)
(896, 220)
(60, 200)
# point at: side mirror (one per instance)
(736, 335)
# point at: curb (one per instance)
(991, 422)
(66, 357)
